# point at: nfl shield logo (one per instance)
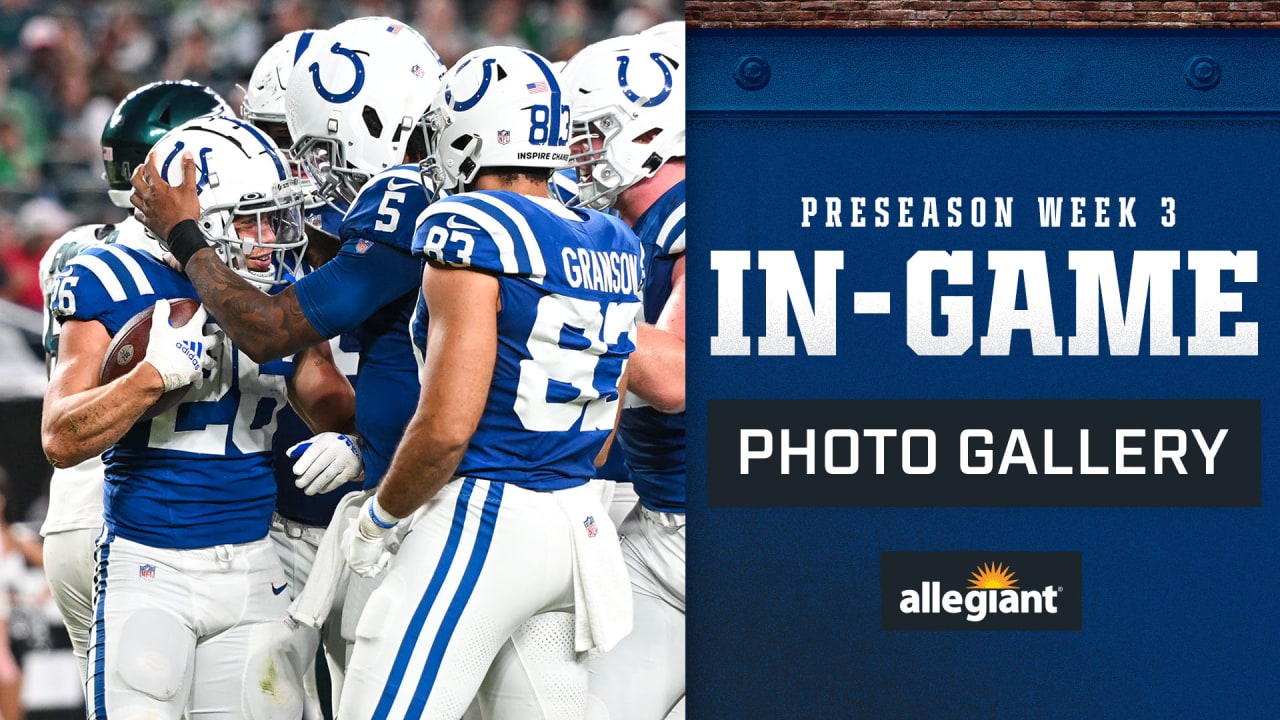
(504, 137)
(590, 525)
(147, 572)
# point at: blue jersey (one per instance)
(200, 474)
(326, 217)
(370, 289)
(654, 441)
(569, 285)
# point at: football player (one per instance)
(74, 519)
(186, 577)
(329, 465)
(513, 567)
(352, 103)
(264, 108)
(628, 104)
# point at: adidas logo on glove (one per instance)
(193, 350)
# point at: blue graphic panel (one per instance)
(1169, 139)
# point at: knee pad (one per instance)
(154, 654)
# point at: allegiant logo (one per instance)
(992, 589)
(931, 591)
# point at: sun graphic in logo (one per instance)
(993, 577)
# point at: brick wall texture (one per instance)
(981, 13)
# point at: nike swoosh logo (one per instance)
(277, 590)
(452, 223)
(392, 184)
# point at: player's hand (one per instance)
(326, 462)
(178, 353)
(161, 206)
(365, 542)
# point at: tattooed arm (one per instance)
(265, 327)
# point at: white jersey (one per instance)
(75, 493)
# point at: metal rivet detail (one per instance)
(1202, 72)
(752, 72)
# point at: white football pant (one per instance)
(174, 630)
(642, 678)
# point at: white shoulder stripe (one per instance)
(103, 272)
(538, 266)
(398, 172)
(673, 245)
(135, 269)
(491, 226)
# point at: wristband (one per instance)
(185, 239)
(376, 513)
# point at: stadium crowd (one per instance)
(64, 66)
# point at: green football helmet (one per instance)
(142, 118)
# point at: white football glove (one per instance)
(326, 462)
(365, 541)
(178, 353)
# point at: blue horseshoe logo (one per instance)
(464, 105)
(626, 89)
(356, 85)
(201, 182)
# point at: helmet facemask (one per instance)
(323, 162)
(452, 166)
(599, 180)
(261, 238)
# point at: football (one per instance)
(129, 346)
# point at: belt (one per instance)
(665, 519)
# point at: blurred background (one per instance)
(63, 68)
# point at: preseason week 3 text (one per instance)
(940, 284)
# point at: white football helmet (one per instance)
(672, 32)
(353, 102)
(628, 97)
(263, 104)
(497, 107)
(250, 204)
(264, 98)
